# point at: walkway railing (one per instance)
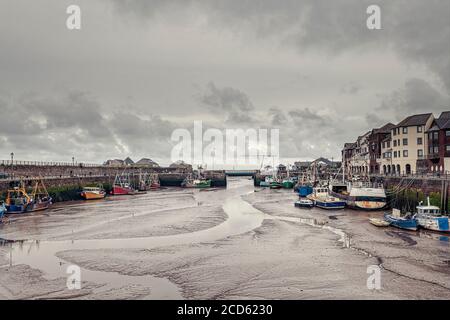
(47, 164)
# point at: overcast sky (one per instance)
(139, 69)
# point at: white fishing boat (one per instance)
(322, 199)
(431, 218)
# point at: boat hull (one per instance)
(122, 191)
(304, 205)
(440, 224)
(401, 223)
(92, 195)
(30, 207)
(367, 204)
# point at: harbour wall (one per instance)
(65, 181)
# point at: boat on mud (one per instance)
(322, 199)
(18, 200)
(304, 203)
(93, 193)
(431, 218)
(276, 184)
(407, 221)
(266, 183)
(2, 211)
(196, 183)
(288, 183)
(379, 222)
(122, 186)
(360, 195)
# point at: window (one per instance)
(405, 142)
(395, 143)
(435, 135)
(431, 150)
(447, 133)
(388, 144)
(394, 132)
(405, 153)
(420, 153)
(405, 130)
(436, 149)
(419, 129)
(419, 141)
(395, 154)
(447, 148)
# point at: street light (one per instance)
(73, 161)
(12, 158)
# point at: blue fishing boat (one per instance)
(322, 199)
(304, 190)
(407, 221)
(431, 218)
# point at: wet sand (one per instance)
(222, 244)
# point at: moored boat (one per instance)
(276, 185)
(407, 222)
(431, 218)
(304, 190)
(304, 203)
(122, 186)
(196, 183)
(266, 183)
(2, 211)
(93, 193)
(18, 200)
(379, 222)
(322, 199)
(360, 195)
(288, 184)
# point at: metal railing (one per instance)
(47, 163)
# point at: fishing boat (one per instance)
(122, 186)
(322, 199)
(266, 183)
(305, 190)
(304, 203)
(431, 218)
(155, 183)
(93, 193)
(196, 183)
(408, 221)
(360, 195)
(288, 183)
(379, 222)
(18, 200)
(276, 185)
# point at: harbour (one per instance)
(179, 243)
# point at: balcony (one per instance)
(433, 155)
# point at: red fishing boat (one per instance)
(122, 186)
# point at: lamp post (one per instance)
(73, 161)
(12, 158)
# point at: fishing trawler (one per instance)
(407, 221)
(18, 200)
(322, 199)
(431, 218)
(360, 195)
(93, 193)
(122, 186)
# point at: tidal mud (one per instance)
(234, 243)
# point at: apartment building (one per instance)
(375, 148)
(438, 136)
(409, 142)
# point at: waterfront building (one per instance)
(409, 144)
(438, 144)
(375, 148)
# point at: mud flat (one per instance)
(422, 257)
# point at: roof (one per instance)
(387, 138)
(443, 122)
(415, 120)
(385, 129)
(349, 145)
(146, 161)
(128, 161)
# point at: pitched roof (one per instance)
(443, 122)
(415, 120)
(146, 161)
(385, 129)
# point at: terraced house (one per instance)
(417, 144)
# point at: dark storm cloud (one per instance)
(231, 102)
(417, 30)
(417, 96)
